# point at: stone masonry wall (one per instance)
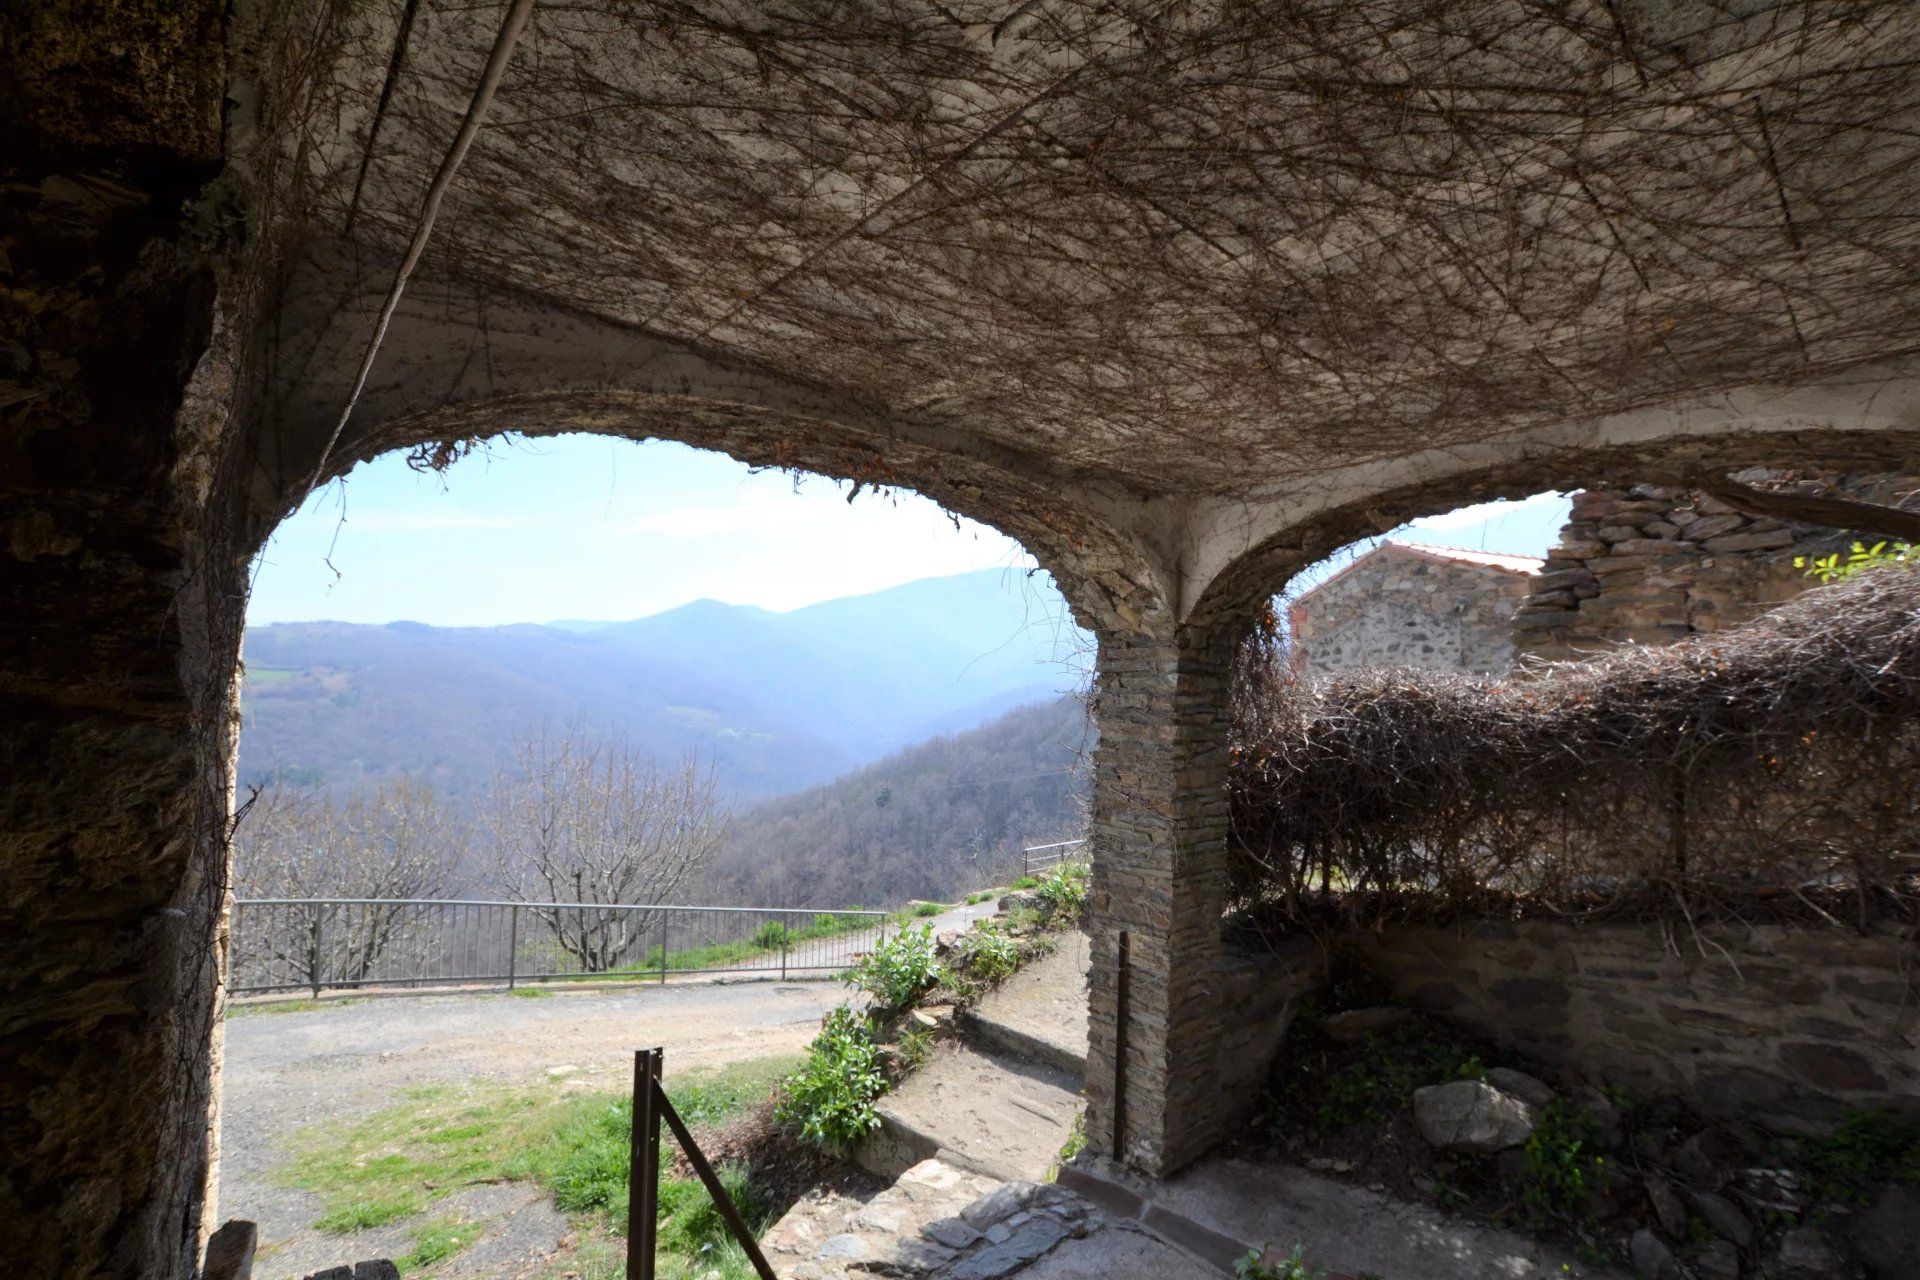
(1782, 1026)
(1402, 606)
(1651, 565)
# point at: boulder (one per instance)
(1358, 1024)
(1469, 1115)
(1651, 1258)
(1667, 1209)
(1886, 1235)
(1025, 898)
(1807, 1254)
(1531, 1090)
(1707, 1159)
(1723, 1217)
(1718, 1261)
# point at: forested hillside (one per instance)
(933, 821)
(772, 701)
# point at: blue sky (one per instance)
(591, 527)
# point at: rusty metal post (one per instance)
(1123, 946)
(643, 1171)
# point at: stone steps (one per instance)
(1040, 1014)
(975, 1109)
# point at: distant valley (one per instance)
(777, 702)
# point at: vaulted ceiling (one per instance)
(1186, 245)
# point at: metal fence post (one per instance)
(666, 922)
(643, 1169)
(513, 944)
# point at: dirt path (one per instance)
(288, 1070)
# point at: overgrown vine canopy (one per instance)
(1770, 772)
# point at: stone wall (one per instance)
(1408, 606)
(1651, 565)
(1785, 1027)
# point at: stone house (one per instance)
(1407, 604)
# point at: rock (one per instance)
(1806, 1254)
(230, 1251)
(946, 940)
(846, 1247)
(1708, 1159)
(1771, 1191)
(1028, 1242)
(378, 1269)
(1358, 1024)
(1605, 1115)
(1025, 898)
(951, 1232)
(1651, 1258)
(1886, 1235)
(1468, 1115)
(1667, 1209)
(1723, 1216)
(1531, 1090)
(999, 1204)
(560, 1072)
(1718, 1261)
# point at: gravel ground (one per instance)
(285, 1071)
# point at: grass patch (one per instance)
(436, 1242)
(529, 993)
(306, 1004)
(403, 1160)
(925, 909)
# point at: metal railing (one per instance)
(1045, 857)
(320, 944)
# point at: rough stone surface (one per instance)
(1406, 605)
(1713, 568)
(1717, 1261)
(1723, 1217)
(1467, 1115)
(1805, 1253)
(1886, 1235)
(1651, 1258)
(1725, 1023)
(1531, 1090)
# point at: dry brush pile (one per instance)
(1763, 773)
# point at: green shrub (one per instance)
(1559, 1168)
(1252, 1265)
(1869, 1149)
(1025, 882)
(927, 909)
(899, 970)
(830, 1099)
(771, 936)
(989, 954)
(1065, 888)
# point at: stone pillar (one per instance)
(119, 626)
(1159, 877)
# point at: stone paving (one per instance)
(945, 1223)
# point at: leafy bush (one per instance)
(1253, 1266)
(771, 936)
(1859, 559)
(1559, 1169)
(1025, 882)
(899, 970)
(1868, 1150)
(830, 1099)
(989, 954)
(1065, 888)
(927, 909)
(1381, 1082)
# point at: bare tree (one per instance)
(394, 843)
(581, 819)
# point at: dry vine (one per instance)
(1767, 772)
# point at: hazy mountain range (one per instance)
(777, 701)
